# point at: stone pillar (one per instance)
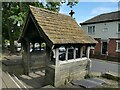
(74, 53)
(57, 56)
(66, 54)
(81, 52)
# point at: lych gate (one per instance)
(65, 53)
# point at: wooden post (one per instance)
(24, 51)
(89, 61)
(28, 57)
(81, 52)
(57, 56)
(74, 53)
(66, 54)
(33, 47)
(88, 52)
(40, 46)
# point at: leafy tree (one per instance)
(14, 14)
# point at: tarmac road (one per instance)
(105, 66)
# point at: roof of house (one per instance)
(59, 28)
(107, 17)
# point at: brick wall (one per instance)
(112, 54)
(112, 49)
(98, 46)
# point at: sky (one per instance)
(86, 10)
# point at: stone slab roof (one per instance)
(60, 28)
(107, 17)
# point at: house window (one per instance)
(91, 29)
(118, 46)
(119, 28)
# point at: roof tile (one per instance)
(60, 29)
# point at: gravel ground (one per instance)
(110, 83)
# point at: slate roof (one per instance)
(107, 17)
(60, 28)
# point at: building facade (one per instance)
(105, 28)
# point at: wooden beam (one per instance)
(74, 53)
(57, 56)
(28, 57)
(66, 54)
(88, 52)
(81, 52)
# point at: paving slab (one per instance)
(3, 84)
(86, 83)
(34, 80)
(48, 86)
(8, 82)
(97, 80)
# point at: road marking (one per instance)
(14, 81)
(20, 82)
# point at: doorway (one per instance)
(104, 47)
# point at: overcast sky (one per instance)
(86, 10)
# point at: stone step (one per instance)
(19, 82)
(8, 81)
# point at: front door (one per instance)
(104, 47)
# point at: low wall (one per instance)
(49, 75)
(37, 60)
(65, 72)
(13, 67)
(70, 71)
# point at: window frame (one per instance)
(118, 27)
(117, 44)
(91, 30)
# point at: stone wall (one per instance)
(49, 75)
(65, 72)
(70, 71)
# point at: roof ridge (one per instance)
(46, 10)
(103, 17)
(43, 9)
(110, 12)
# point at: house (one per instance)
(105, 28)
(56, 31)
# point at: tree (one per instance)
(14, 14)
(13, 18)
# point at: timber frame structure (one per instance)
(56, 31)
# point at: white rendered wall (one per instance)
(111, 32)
